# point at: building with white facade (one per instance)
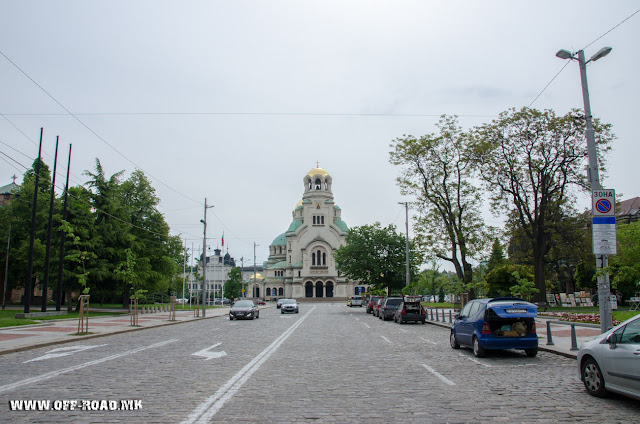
(217, 273)
(300, 263)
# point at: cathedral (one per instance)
(300, 263)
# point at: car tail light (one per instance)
(403, 312)
(485, 328)
(533, 328)
(423, 311)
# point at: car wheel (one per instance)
(281, 311)
(531, 353)
(297, 311)
(230, 318)
(593, 379)
(258, 315)
(452, 340)
(478, 350)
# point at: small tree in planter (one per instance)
(79, 256)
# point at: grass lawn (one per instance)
(7, 317)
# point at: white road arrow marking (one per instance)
(205, 353)
(62, 351)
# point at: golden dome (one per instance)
(298, 205)
(258, 276)
(317, 171)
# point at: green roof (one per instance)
(341, 224)
(297, 265)
(281, 264)
(337, 207)
(294, 225)
(281, 240)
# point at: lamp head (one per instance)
(564, 54)
(601, 53)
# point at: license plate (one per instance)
(516, 311)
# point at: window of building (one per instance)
(318, 184)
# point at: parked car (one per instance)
(410, 310)
(499, 323)
(244, 309)
(388, 308)
(372, 302)
(355, 301)
(289, 305)
(261, 302)
(376, 307)
(611, 362)
(279, 303)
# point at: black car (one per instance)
(388, 309)
(410, 310)
(244, 309)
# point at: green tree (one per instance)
(500, 280)
(524, 288)
(438, 172)
(497, 256)
(625, 266)
(376, 255)
(233, 285)
(529, 161)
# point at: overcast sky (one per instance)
(235, 101)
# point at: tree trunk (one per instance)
(538, 271)
(69, 304)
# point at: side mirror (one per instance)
(612, 340)
(458, 316)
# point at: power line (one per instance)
(92, 131)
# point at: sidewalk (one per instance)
(50, 332)
(560, 332)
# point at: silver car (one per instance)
(611, 362)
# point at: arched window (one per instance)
(324, 259)
(280, 291)
(314, 220)
(313, 259)
(318, 184)
(268, 291)
(280, 249)
(319, 256)
(322, 219)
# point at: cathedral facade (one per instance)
(300, 263)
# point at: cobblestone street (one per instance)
(329, 363)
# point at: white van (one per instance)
(356, 301)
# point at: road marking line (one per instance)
(387, 340)
(37, 379)
(440, 376)
(62, 351)
(403, 330)
(207, 409)
(366, 325)
(428, 341)
(475, 360)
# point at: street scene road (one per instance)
(328, 363)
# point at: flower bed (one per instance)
(575, 317)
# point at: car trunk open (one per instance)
(508, 325)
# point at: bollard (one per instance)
(549, 338)
(574, 342)
(431, 310)
(450, 322)
(443, 318)
(437, 316)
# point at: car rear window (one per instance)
(394, 302)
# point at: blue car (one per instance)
(498, 323)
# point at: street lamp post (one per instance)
(406, 223)
(204, 256)
(606, 321)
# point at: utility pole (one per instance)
(63, 237)
(29, 282)
(6, 265)
(47, 256)
(406, 222)
(602, 260)
(254, 270)
(204, 256)
(184, 272)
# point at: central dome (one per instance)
(317, 171)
